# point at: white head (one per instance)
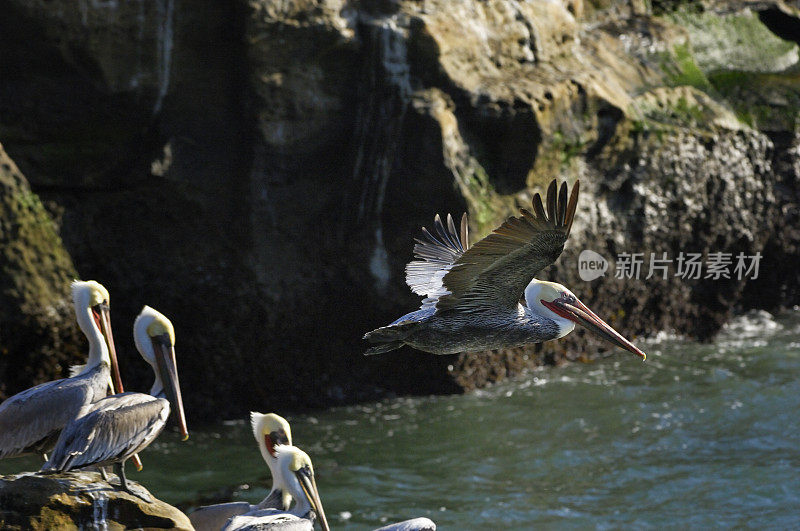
(540, 290)
(149, 324)
(562, 306)
(295, 475)
(270, 430)
(87, 294)
(154, 336)
(92, 311)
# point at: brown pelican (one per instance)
(484, 297)
(30, 421)
(116, 427)
(294, 474)
(269, 430)
(415, 524)
(273, 433)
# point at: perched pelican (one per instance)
(118, 426)
(269, 430)
(294, 474)
(31, 421)
(484, 297)
(273, 433)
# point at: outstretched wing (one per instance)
(112, 430)
(435, 255)
(495, 271)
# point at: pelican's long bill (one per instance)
(576, 311)
(168, 371)
(102, 316)
(309, 485)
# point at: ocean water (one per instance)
(700, 435)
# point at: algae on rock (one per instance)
(38, 336)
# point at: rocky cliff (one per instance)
(257, 170)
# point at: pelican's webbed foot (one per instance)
(119, 468)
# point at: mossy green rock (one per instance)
(38, 337)
(736, 41)
(80, 500)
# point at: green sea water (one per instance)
(700, 435)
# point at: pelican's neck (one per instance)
(98, 350)
(144, 344)
(262, 446)
(277, 491)
(284, 479)
(301, 506)
(538, 313)
(158, 386)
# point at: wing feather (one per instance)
(435, 254)
(496, 270)
(562, 200)
(551, 201)
(29, 418)
(112, 430)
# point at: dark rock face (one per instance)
(80, 501)
(38, 336)
(257, 171)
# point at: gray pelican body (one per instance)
(293, 474)
(415, 524)
(31, 421)
(484, 297)
(269, 430)
(117, 427)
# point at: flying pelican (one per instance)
(484, 297)
(269, 430)
(293, 474)
(118, 426)
(31, 421)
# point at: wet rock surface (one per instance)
(257, 171)
(80, 500)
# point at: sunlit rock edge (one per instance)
(81, 500)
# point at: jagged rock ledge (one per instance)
(80, 500)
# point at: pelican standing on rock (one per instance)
(117, 427)
(293, 474)
(484, 297)
(31, 421)
(269, 430)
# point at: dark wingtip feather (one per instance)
(551, 201)
(572, 206)
(538, 207)
(562, 205)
